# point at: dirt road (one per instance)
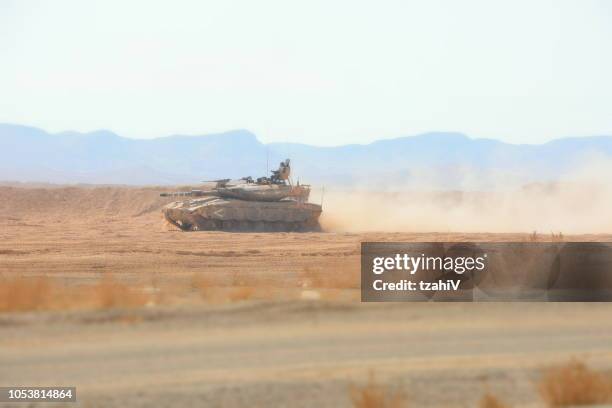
(302, 353)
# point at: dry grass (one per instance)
(554, 237)
(22, 294)
(25, 294)
(376, 395)
(557, 237)
(309, 284)
(19, 293)
(213, 290)
(241, 293)
(109, 293)
(489, 400)
(209, 288)
(338, 277)
(573, 384)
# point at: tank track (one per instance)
(199, 223)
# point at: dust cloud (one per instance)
(577, 204)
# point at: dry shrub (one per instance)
(200, 283)
(339, 277)
(21, 294)
(219, 292)
(207, 287)
(574, 384)
(108, 293)
(239, 279)
(489, 400)
(554, 237)
(377, 395)
(557, 237)
(25, 294)
(241, 293)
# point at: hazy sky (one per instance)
(319, 72)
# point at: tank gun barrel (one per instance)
(218, 183)
(192, 193)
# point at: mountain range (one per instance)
(440, 160)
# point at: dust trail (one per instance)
(580, 203)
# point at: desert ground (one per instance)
(98, 292)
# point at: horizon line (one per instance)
(244, 130)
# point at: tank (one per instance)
(265, 204)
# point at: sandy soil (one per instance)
(273, 349)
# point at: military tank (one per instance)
(265, 204)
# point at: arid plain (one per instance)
(98, 292)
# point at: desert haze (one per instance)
(436, 160)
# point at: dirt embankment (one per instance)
(79, 202)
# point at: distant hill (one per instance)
(436, 160)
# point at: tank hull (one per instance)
(228, 214)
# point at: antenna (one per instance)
(322, 194)
(267, 160)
